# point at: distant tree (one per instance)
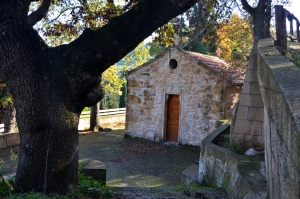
(235, 39)
(112, 83)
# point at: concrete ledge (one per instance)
(239, 174)
(95, 169)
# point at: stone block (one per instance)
(258, 141)
(251, 100)
(246, 87)
(132, 83)
(148, 96)
(247, 127)
(94, 168)
(242, 112)
(190, 174)
(217, 89)
(3, 144)
(134, 99)
(256, 114)
(251, 76)
(131, 118)
(238, 138)
(11, 143)
(255, 88)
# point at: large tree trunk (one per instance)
(50, 86)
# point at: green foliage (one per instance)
(235, 39)
(86, 109)
(293, 56)
(5, 96)
(157, 49)
(110, 101)
(13, 156)
(235, 148)
(89, 188)
(86, 188)
(122, 101)
(114, 81)
(189, 186)
(137, 57)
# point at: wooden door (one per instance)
(173, 118)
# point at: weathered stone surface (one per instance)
(277, 77)
(240, 175)
(250, 100)
(9, 140)
(133, 83)
(243, 113)
(201, 96)
(94, 168)
(256, 114)
(246, 87)
(134, 99)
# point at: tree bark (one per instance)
(50, 86)
(94, 118)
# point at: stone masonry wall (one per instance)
(9, 140)
(238, 174)
(248, 126)
(201, 99)
(278, 80)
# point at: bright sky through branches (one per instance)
(294, 8)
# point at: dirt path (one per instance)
(142, 169)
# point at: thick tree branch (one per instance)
(102, 48)
(37, 15)
(247, 7)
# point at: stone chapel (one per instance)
(180, 96)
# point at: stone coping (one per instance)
(240, 175)
(94, 168)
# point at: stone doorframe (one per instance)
(172, 91)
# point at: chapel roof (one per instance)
(215, 63)
(219, 65)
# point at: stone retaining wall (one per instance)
(279, 85)
(239, 174)
(9, 140)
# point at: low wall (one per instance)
(279, 86)
(9, 140)
(239, 174)
(105, 121)
(13, 139)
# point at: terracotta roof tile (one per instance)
(220, 65)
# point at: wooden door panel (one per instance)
(173, 118)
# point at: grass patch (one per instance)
(183, 187)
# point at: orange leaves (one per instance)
(235, 37)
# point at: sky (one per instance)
(294, 8)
